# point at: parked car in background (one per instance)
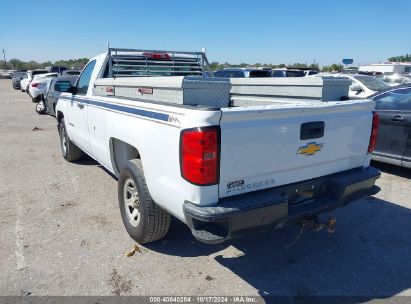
(24, 83)
(310, 72)
(71, 72)
(396, 79)
(55, 87)
(362, 86)
(17, 77)
(242, 73)
(38, 85)
(287, 73)
(5, 74)
(394, 134)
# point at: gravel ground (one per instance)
(61, 234)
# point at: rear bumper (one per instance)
(273, 208)
(16, 85)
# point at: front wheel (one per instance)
(40, 107)
(69, 150)
(143, 219)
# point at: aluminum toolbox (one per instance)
(265, 91)
(184, 90)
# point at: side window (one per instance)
(394, 100)
(278, 74)
(226, 74)
(84, 80)
(62, 86)
(294, 74)
(219, 74)
(237, 74)
(259, 74)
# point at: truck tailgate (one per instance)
(263, 147)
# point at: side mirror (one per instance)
(72, 90)
(356, 88)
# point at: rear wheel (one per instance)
(69, 150)
(143, 219)
(40, 107)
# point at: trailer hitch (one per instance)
(314, 223)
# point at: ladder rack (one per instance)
(148, 63)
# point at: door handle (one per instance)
(311, 130)
(397, 118)
(80, 105)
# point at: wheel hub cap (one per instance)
(63, 141)
(131, 202)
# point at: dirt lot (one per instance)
(61, 234)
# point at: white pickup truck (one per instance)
(168, 131)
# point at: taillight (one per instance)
(200, 155)
(34, 84)
(374, 132)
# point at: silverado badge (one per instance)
(310, 149)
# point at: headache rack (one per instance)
(148, 63)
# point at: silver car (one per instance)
(55, 87)
(396, 79)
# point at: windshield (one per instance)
(372, 83)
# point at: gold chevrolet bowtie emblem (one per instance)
(310, 149)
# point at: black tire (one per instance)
(69, 150)
(152, 222)
(40, 107)
(36, 99)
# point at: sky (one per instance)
(253, 31)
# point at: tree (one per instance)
(71, 62)
(298, 65)
(17, 64)
(402, 58)
(314, 66)
(333, 68)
